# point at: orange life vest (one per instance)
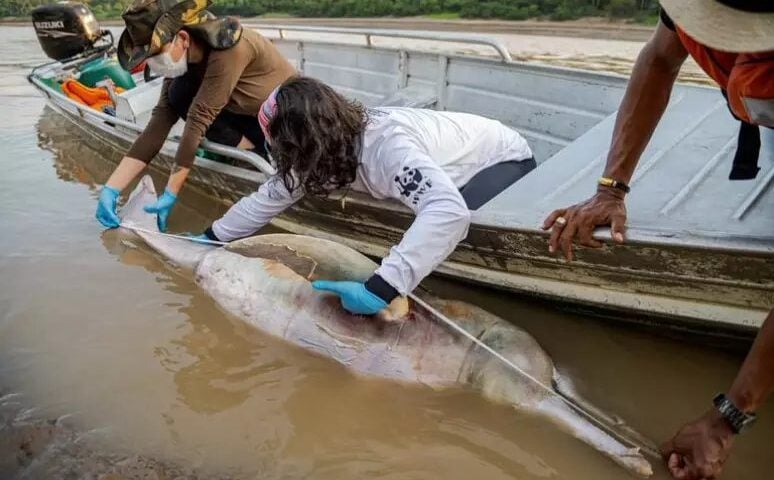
(747, 82)
(747, 79)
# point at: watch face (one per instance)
(748, 422)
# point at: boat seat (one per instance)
(132, 104)
(416, 96)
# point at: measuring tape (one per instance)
(207, 241)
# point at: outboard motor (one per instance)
(65, 29)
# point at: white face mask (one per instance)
(162, 64)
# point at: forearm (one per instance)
(126, 171)
(700, 448)
(150, 141)
(643, 104)
(177, 178)
(755, 380)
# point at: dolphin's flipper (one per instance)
(333, 260)
(181, 252)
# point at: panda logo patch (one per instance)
(411, 182)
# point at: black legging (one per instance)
(489, 182)
(228, 128)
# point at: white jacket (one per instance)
(420, 157)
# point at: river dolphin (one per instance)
(265, 281)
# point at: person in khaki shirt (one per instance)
(217, 75)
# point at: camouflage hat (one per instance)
(151, 24)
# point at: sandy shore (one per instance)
(32, 447)
(594, 28)
(589, 44)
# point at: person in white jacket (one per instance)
(439, 164)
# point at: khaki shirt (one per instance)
(238, 79)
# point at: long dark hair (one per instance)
(316, 136)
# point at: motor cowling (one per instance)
(65, 29)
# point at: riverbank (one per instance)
(592, 27)
(596, 44)
(52, 448)
(588, 44)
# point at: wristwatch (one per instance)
(739, 420)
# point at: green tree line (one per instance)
(494, 9)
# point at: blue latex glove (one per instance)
(162, 207)
(355, 297)
(106, 207)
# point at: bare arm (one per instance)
(643, 104)
(177, 178)
(700, 448)
(755, 380)
(125, 172)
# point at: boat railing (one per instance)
(251, 158)
(368, 35)
(85, 111)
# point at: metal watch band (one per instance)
(738, 419)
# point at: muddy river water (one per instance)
(114, 366)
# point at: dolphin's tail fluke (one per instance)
(564, 386)
(628, 457)
(132, 213)
(526, 384)
(180, 251)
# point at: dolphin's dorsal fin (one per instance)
(303, 265)
(334, 260)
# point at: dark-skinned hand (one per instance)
(606, 207)
(699, 450)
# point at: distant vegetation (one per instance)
(639, 10)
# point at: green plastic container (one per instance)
(52, 83)
(97, 70)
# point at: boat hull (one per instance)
(678, 286)
(667, 273)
